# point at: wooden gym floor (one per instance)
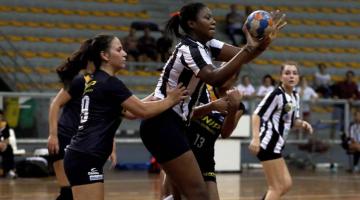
(249, 185)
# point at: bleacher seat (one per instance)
(46, 32)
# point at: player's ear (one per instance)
(191, 24)
(104, 56)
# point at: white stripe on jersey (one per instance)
(267, 137)
(270, 108)
(185, 63)
(279, 145)
(355, 131)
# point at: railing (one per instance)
(8, 78)
(32, 107)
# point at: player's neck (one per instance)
(197, 38)
(287, 89)
(108, 70)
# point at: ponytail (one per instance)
(172, 26)
(76, 62)
(89, 51)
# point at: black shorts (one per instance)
(265, 155)
(206, 163)
(164, 136)
(63, 142)
(207, 169)
(81, 168)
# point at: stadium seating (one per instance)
(42, 33)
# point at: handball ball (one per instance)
(259, 24)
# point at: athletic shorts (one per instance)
(206, 163)
(164, 136)
(265, 155)
(63, 142)
(82, 169)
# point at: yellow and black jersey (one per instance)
(203, 132)
(70, 117)
(100, 113)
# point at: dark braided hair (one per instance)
(187, 13)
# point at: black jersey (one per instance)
(277, 111)
(203, 132)
(188, 58)
(70, 116)
(100, 114)
(4, 131)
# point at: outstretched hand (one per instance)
(279, 22)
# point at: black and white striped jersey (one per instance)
(188, 58)
(278, 111)
(355, 131)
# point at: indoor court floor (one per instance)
(249, 185)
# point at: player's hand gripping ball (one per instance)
(259, 24)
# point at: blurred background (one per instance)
(322, 36)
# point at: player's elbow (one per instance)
(224, 136)
(225, 133)
(142, 114)
(214, 81)
(145, 112)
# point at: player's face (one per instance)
(205, 24)
(117, 55)
(290, 76)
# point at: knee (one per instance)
(202, 194)
(198, 192)
(286, 186)
(281, 188)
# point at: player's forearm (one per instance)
(298, 123)
(233, 66)
(153, 108)
(202, 110)
(53, 119)
(128, 115)
(255, 126)
(114, 147)
(230, 123)
(148, 98)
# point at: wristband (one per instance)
(249, 49)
